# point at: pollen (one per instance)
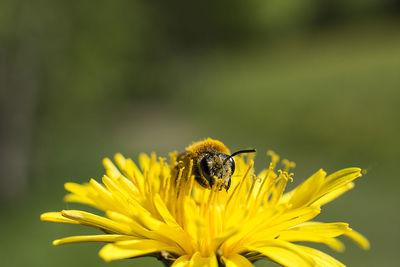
(208, 144)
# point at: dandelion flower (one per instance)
(148, 211)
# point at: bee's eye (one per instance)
(205, 167)
(232, 162)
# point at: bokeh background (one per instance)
(316, 81)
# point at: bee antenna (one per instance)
(239, 152)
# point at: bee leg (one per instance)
(228, 185)
(203, 181)
(227, 181)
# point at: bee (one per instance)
(212, 161)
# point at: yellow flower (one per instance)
(149, 212)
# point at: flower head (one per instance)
(150, 210)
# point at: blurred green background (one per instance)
(316, 81)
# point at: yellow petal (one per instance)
(320, 258)
(324, 229)
(111, 252)
(56, 217)
(112, 171)
(307, 190)
(137, 228)
(80, 199)
(292, 218)
(78, 189)
(333, 194)
(163, 211)
(219, 240)
(262, 229)
(91, 238)
(144, 161)
(146, 244)
(134, 248)
(288, 255)
(97, 221)
(340, 178)
(81, 194)
(182, 261)
(316, 232)
(116, 190)
(198, 261)
(236, 260)
(135, 174)
(159, 231)
(118, 217)
(298, 236)
(103, 196)
(359, 239)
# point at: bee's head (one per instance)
(214, 166)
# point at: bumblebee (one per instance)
(212, 161)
